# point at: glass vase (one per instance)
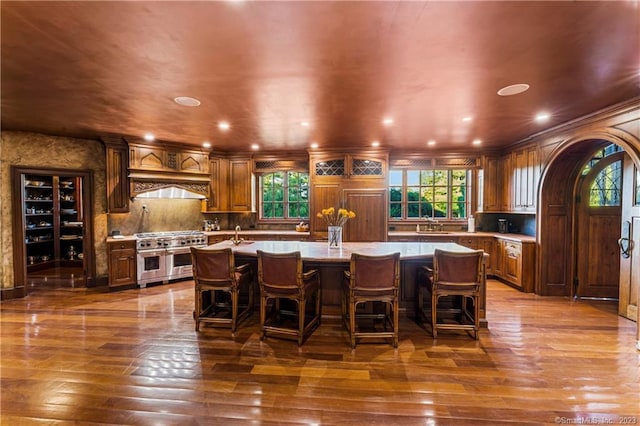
(335, 237)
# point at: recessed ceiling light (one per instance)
(149, 137)
(304, 123)
(387, 121)
(186, 101)
(224, 126)
(514, 89)
(255, 146)
(431, 142)
(314, 145)
(542, 117)
(477, 142)
(206, 144)
(375, 143)
(467, 119)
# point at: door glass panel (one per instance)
(606, 187)
(182, 259)
(152, 263)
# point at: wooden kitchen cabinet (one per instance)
(122, 263)
(486, 244)
(498, 261)
(492, 184)
(353, 181)
(117, 180)
(526, 174)
(230, 185)
(335, 165)
(515, 263)
(370, 223)
(506, 183)
(167, 158)
(519, 177)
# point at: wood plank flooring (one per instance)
(88, 356)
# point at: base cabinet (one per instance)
(481, 243)
(509, 260)
(122, 264)
(515, 263)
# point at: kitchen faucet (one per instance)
(434, 224)
(235, 240)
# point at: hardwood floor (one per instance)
(132, 357)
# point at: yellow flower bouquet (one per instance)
(336, 219)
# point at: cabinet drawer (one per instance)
(513, 249)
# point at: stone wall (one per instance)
(43, 151)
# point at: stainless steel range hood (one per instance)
(173, 192)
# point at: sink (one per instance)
(241, 242)
(433, 232)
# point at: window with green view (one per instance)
(415, 194)
(284, 195)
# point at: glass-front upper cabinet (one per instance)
(339, 165)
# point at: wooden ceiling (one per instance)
(88, 68)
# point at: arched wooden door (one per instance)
(598, 208)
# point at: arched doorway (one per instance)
(559, 224)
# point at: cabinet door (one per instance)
(193, 162)
(498, 262)
(491, 185)
(365, 166)
(513, 262)
(72, 219)
(525, 179)
(230, 185)
(370, 223)
(117, 180)
(122, 264)
(218, 185)
(507, 182)
(240, 185)
(520, 180)
(533, 176)
(147, 158)
(327, 168)
(488, 245)
(323, 196)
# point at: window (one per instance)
(606, 188)
(415, 194)
(284, 195)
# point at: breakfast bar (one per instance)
(331, 263)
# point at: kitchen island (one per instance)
(331, 263)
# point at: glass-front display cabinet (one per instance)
(52, 225)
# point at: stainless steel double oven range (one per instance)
(165, 256)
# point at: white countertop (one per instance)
(320, 251)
